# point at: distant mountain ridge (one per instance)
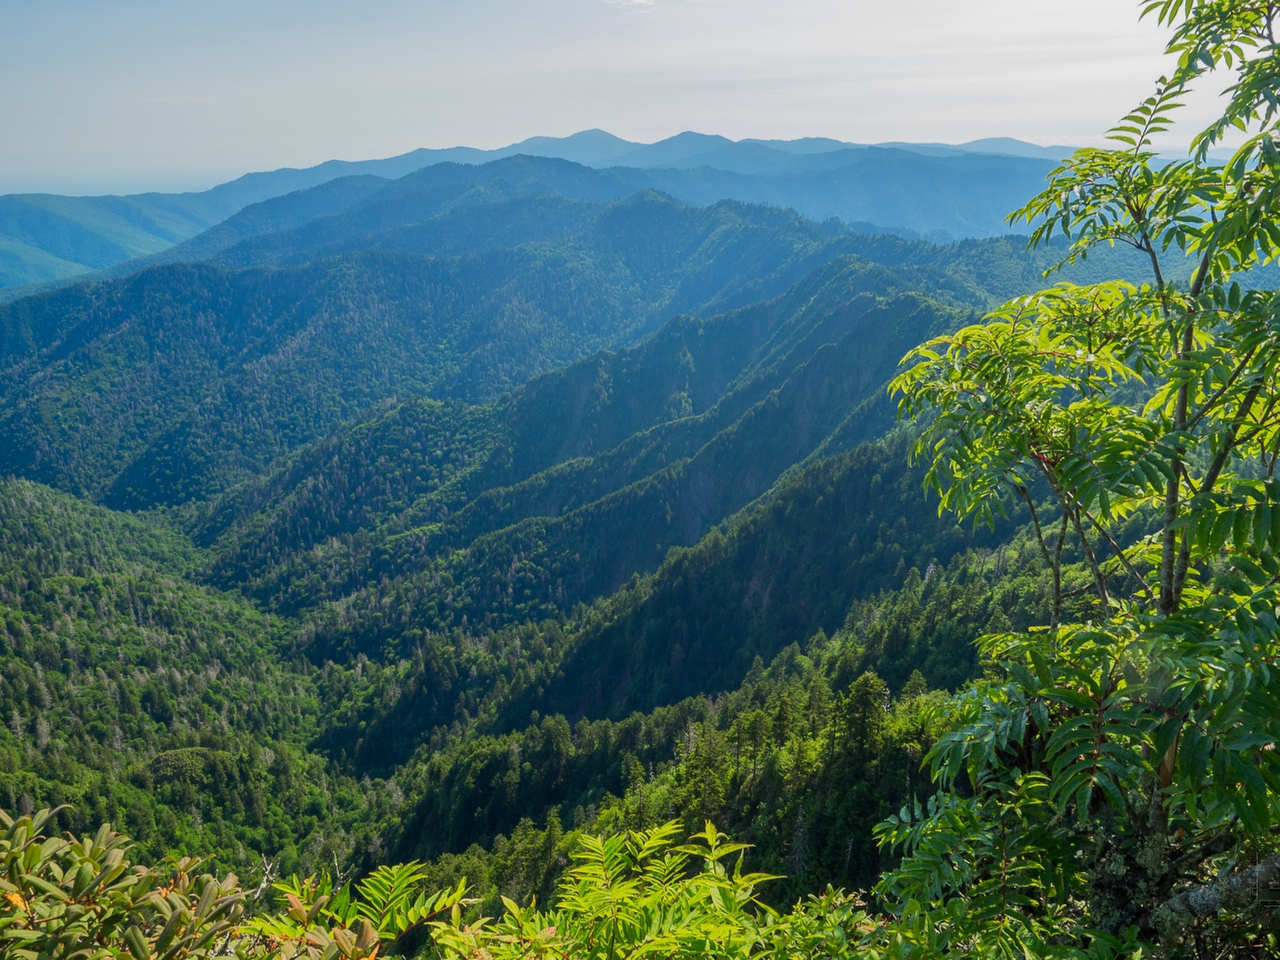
(46, 238)
(427, 211)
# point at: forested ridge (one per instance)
(426, 569)
(503, 523)
(331, 588)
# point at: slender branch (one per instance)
(1169, 536)
(1210, 478)
(1115, 548)
(1055, 568)
(1203, 272)
(1275, 455)
(1173, 573)
(1072, 509)
(1217, 843)
(1264, 420)
(1155, 267)
(1255, 430)
(1221, 391)
(1078, 590)
(1220, 461)
(1099, 580)
(1035, 521)
(1182, 567)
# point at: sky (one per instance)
(108, 96)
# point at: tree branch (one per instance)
(1054, 567)
(1218, 394)
(1057, 569)
(1201, 274)
(1115, 548)
(1099, 580)
(1210, 478)
(1168, 535)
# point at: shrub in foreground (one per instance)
(640, 894)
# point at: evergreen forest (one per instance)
(516, 559)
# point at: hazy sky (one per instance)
(116, 95)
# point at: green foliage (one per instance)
(802, 760)
(629, 896)
(781, 571)
(1116, 771)
(488, 608)
(138, 697)
(352, 922)
(79, 897)
(254, 753)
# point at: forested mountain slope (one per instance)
(181, 380)
(778, 573)
(432, 471)
(801, 759)
(666, 438)
(136, 696)
(272, 215)
(47, 237)
(159, 387)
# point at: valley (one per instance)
(751, 547)
(373, 485)
(464, 517)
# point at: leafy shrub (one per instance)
(632, 895)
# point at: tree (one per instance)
(1118, 773)
(866, 710)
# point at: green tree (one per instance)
(866, 710)
(1118, 773)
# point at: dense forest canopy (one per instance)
(439, 566)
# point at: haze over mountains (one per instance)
(916, 189)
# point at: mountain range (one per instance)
(963, 190)
(452, 515)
